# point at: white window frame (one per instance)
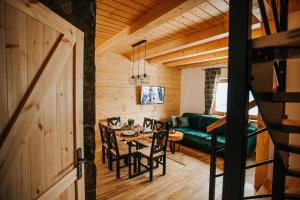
(213, 108)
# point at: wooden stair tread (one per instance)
(293, 172)
(291, 122)
(288, 148)
(282, 39)
(279, 96)
(287, 125)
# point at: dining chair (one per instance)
(159, 125)
(120, 151)
(104, 142)
(156, 152)
(113, 121)
(148, 123)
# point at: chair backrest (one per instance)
(112, 141)
(148, 123)
(103, 134)
(159, 142)
(113, 121)
(159, 125)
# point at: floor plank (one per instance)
(187, 178)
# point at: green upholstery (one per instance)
(196, 136)
(183, 122)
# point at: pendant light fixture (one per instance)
(140, 78)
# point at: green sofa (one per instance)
(195, 134)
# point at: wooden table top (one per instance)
(177, 136)
(133, 138)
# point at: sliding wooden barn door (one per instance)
(41, 72)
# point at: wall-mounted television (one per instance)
(152, 95)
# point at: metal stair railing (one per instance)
(277, 48)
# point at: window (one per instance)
(220, 104)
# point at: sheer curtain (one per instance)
(211, 76)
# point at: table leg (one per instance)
(129, 159)
(173, 148)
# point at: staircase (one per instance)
(267, 78)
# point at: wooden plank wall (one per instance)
(115, 97)
(47, 152)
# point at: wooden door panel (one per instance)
(16, 52)
(41, 59)
(3, 81)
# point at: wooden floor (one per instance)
(187, 178)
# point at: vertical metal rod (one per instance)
(264, 16)
(213, 157)
(278, 185)
(238, 97)
(283, 14)
(283, 27)
(275, 15)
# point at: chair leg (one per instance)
(110, 161)
(125, 161)
(135, 161)
(118, 168)
(103, 154)
(164, 165)
(139, 162)
(151, 169)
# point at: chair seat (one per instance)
(146, 152)
(123, 149)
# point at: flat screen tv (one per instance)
(152, 95)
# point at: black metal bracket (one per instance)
(80, 161)
(139, 43)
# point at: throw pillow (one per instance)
(174, 121)
(183, 122)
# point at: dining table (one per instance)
(135, 137)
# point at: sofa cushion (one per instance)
(174, 121)
(183, 122)
(192, 132)
(202, 140)
(194, 119)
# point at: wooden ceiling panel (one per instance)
(173, 29)
(112, 21)
(205, 16)
(220, 5)
(176, 30)
(119, 6)
(110, 9)
(115, 15)
(191, 24)
(197, 20)
(205, 63)
(135, 5)
(214, 12)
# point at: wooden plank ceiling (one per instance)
(179, 33)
